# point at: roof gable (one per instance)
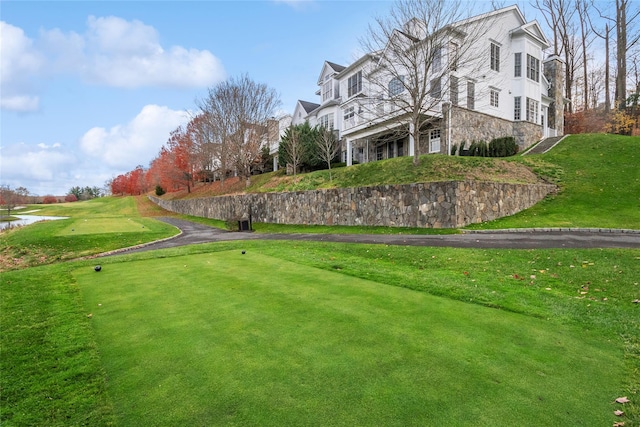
(329, 68)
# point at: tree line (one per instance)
(229, 136)
(604, 91)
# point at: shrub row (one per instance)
(498, 147)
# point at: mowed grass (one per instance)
(94, 226)
(599, 185)
(222, 338)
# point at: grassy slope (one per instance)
(598, 176)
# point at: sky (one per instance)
(91, 89)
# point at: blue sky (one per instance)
(91, 89)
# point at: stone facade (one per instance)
(447, 204)
(468, 126)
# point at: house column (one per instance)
(349, 152)
(412, 147)
(275, 163)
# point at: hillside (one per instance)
(386, 172)
(597, 174)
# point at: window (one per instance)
(517, 108)
(454, 50)
(533, 68)
(327, 90)
(349, 113)
(495, 57)
(437, 60)
(396, 86)
(471, 95)
(390, 150)
(354, 84)
(532, 110)
(326, 121)
(400, 149)
(495, 97)
(434, 141)
(380, 152)
(454, 90)
(436, 88)
(517, 65)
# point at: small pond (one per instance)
(27, 219)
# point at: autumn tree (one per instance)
(237, 111)
(413, 51)
(181, 153)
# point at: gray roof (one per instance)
(335, 66)
(308, 106)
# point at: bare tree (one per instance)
(559, 16)
(626, 38)
(8, 198)
(604, 35)
(414, 49)
(583, 9)
(327, 147)
(237, 111)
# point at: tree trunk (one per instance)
(621, 54)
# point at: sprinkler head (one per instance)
(244, 252)
(97, 268)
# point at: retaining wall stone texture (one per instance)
(447, 204)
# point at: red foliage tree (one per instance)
(70, 198)
(47, 200)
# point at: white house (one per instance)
(483, 84)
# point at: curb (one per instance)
(555, 230)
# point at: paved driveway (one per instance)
(193, 233)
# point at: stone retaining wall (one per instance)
(447, 204)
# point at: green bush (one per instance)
(503, 147)
(159, 191)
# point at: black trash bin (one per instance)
(244, 225)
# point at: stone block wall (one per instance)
(468, 125)
(447, 204)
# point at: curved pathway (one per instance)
(193, 233)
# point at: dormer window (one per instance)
(327, 90)
(354, 84)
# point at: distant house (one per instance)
(513, 92)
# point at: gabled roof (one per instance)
(335, 66)
(331, 67)
(308, 106)
(532, 29)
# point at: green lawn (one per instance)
(381, 334)
(599, 179)
(304, 333)
(94, 226)
(229, 339)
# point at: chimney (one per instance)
(554, 73)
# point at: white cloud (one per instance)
(23, 163)
(137, 142)
(128, 54)
(112, 52)
(20, 103)
(20, 62)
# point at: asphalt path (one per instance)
(193, 233)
